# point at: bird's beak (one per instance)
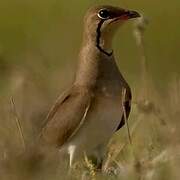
(132, 14)
(127, 14)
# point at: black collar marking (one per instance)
(98, 37)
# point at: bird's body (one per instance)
(89, 113)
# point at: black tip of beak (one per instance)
(133, 14)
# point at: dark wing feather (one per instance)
(66, 117)
(61, 99)
(127, 106)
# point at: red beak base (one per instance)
(129, 15)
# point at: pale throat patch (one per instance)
(102, 42)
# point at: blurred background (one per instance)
(39, 45)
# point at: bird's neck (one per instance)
(100, 40)
(104, 44)
(95, 67)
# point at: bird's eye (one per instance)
(104, 14)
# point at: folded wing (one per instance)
(66, 116)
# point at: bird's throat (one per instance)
(103, 43)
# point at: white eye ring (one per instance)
(105, 13)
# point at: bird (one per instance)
(85, 116)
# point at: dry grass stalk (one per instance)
(114, 153)
(145, 103)
(90, 166)
(140, 27)
(18, 124)
(125, 116)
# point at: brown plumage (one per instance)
(86, 116)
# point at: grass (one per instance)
(154, 124)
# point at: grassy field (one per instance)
(39, 44)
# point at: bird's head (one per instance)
(101, 22)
